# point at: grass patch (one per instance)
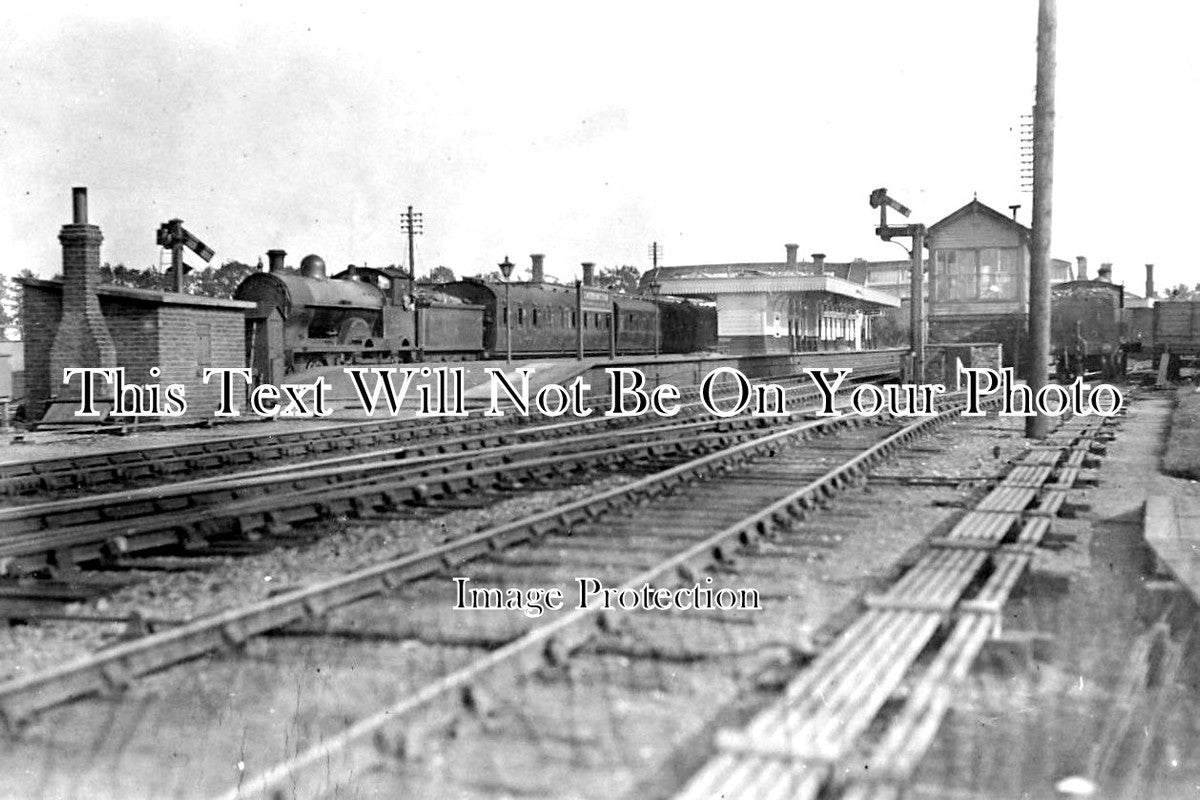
(1182, 458)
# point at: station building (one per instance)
(782, 307)
(75, 321)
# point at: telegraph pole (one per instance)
(1036, 427)
(411, 224)
(655, 254)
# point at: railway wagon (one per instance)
(1175, 329)
(1086, 333)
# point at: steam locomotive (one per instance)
(379, 315)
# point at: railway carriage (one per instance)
(544, 319)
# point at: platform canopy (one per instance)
(711, 287)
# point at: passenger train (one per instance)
(364, 315)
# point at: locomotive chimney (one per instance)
(82, 338)
(792, 249)
(1081, 272)
(537, 268)
(818, 263)
(1105, 272)
(589, 273)
(1149, 281)
(275, 260)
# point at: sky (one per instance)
(587, 132)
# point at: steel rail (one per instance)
(57, 473)
(554, 641)
(88, 528)
(117, 666)
(277, 512)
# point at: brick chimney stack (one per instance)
(589, 273)
(1149, 281)
(537, 268)
(1081, 272)
(791, 249)
(818, 263)
(82, 338)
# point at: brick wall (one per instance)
(40, 312)
(1008, 330)
(192, 338)
(134, 329)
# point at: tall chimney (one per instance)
(1105, 272)
(589, 273)
(1149, 281)
(538, 268)
(1081, 272)
(275, 260)
(82, 338)
(792, 249)
(818, 263)
(79, 202)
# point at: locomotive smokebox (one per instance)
(1149, 281)
(313, 266)
(1081, 272)
(791, 249)
(537, 268)
(275, 261)
(589, 273)
(1104, 273)
(818, 263)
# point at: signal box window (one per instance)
(977, 274)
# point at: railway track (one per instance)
(135, 466)
(273, 501)
(501, 714)
(189, 515)
(698, 522)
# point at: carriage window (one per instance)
(505, 315)
(574, 320)
(607, 321)
(535, 315)
(520, 315)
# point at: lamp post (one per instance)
(506, 268)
